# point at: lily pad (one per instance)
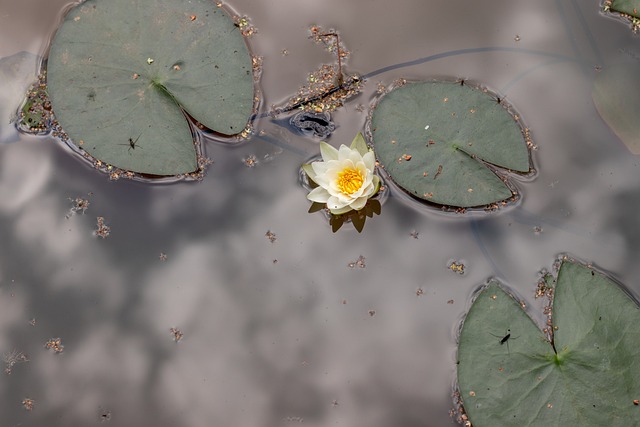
(630, 7)
(616, 95)
(435, 140)
(509, 374)
(121, 71)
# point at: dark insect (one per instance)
(133, 144)
(506, 337)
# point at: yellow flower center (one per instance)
(349, 181)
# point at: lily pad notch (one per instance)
(449, 143)
(123, 74)
(587, 374)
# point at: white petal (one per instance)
(319, 168)
(369, 160)
(319, 195)
(308, 169)
(364, 191)
(344, 152)
(340, 211)
(376, 183)
(359, 203)
(328, 152)
(336, 203)
(354, 156)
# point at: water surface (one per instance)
(284, 332)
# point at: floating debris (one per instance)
(250, 161)
(28, 403)
(359, 262)
(11, 359)
(459, 413)
(419, 292)
(243, 23)
(544, 287)
(324, 92)
(105, 415)
(271, 236)
(36, 117)
(372, 313)
(103, 230)
(177, 334)
(537, 230)
(77, 205)
(450, 301)
(328, 87)
(456, 267)
(54, 344)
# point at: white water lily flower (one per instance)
(345, 176)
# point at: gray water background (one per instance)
(281, 343)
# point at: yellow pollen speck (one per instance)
(349, 181)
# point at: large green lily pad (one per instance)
(509, 374)
(616, 95)
(121, 72)
(434, 138)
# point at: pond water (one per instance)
(292, 329)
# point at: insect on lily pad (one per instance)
(122, 74)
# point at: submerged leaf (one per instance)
(510, 375)
(124, 70)
(616, 95)
(433, 137)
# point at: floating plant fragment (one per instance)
(328, 87)
(435, 140)
(35, 116)
(17, 73)
(510, 374)
(121, 73)
(616, 95)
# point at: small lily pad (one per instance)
(125, 70)
(509, 374)
(616, 95)
(629, 7)
(435, 140)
